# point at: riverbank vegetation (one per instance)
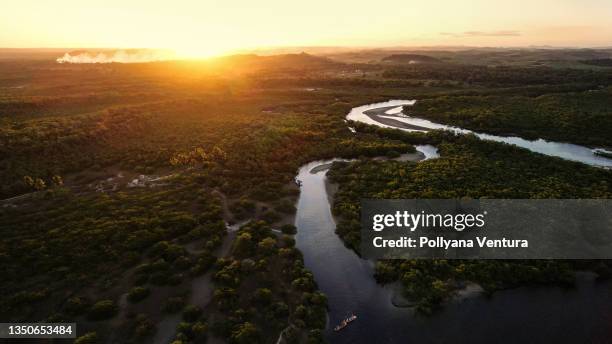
(578, 117)
(473, 168)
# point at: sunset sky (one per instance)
(207, 27)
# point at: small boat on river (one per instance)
(603, 152)
(344, 323)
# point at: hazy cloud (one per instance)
(117, 56)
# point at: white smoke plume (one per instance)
(117, 56)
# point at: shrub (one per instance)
(138, 294)
(262, 296)
(266, 246)
(288, 241)
(184, 328)
(102, 310)
(182, 263)
(199, 329)
(245, 333)
(77, 305)
(288, 229)
(144, 327)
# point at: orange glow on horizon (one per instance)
(200, 29)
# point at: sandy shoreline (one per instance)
(375, 115)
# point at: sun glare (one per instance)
(199, 50)
(197, 29)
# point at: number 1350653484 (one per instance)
(37, 330)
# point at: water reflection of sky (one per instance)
(563, 150)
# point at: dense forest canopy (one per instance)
(119, 181)
(499, 76)
(578, 117)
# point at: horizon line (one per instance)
(370, 47)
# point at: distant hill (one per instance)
(410, 58)
(303, 59)
(299, 61)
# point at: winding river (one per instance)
(540, 315)
(389, 115)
